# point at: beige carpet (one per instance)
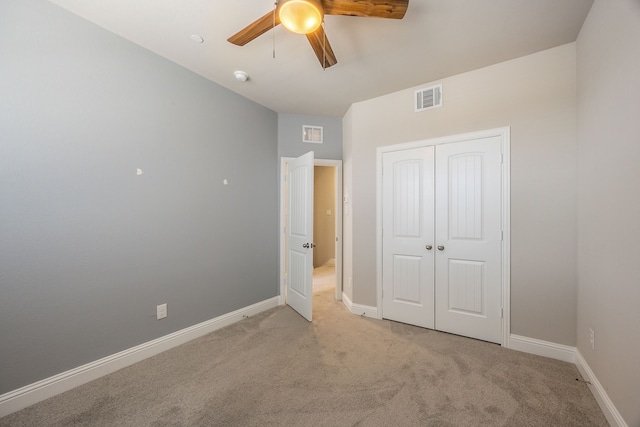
(324, 277)
(275, 369)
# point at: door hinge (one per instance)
(501, 158)
(501, 235)
(502, 313)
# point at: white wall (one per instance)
(536, 96)
(608, 52)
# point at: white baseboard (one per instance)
(33, 393)
(364, 310)
(542, 348)
(607, 406)
(347, 302)
(359, 309)
(572, 355)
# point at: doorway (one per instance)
(324, 228)
(327, 224)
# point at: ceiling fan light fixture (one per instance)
(301, 16)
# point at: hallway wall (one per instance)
(324, 215)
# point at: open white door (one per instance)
(299, 232)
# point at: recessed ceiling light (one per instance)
(241, 76)
(196, 38)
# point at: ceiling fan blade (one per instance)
(394, 9)
(255, 29)
(322, 48)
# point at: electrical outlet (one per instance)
(592, 339)
(161, 311)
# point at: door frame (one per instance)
(337, 164)
(505, 137)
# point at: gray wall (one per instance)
(87, 248)
(290, 136)
(536, 96)
(608, 51)
(290, 139)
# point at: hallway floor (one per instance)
(324, 277)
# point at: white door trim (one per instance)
(505, 137)
(283, 254)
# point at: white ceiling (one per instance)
(436, 39)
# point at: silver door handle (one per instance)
(309, 245)
(429, 247)
(441, 248)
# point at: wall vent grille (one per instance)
(312, 134)
(428, 98)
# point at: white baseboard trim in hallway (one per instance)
(33, 393)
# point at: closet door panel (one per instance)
(469, 239)
(408, 227)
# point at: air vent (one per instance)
(312, 134)
(429, 97)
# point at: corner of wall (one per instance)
(347, 217)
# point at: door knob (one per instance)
(429, 247)
(309, 245)
(306, 246)
(441, 248)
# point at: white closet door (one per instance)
(468, 239)
(408, 227)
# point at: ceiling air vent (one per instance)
(429, 97)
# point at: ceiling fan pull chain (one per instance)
(273, 29)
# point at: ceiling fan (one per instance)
(306, 17)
